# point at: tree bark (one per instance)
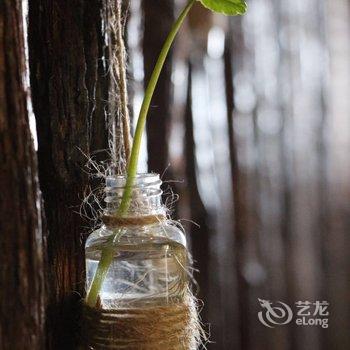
(198, 213)
(68, 81)
(21, 259)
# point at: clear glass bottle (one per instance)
(150, 260)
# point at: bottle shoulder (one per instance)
(167, 231)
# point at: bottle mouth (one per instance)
(146, 190)
(142, 180)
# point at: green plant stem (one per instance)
(132, 167)
(108, 252)
(100, 275)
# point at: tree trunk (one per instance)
(68, 86)
(21, 258)
(242, 306)
(198, 213)
(158, 16)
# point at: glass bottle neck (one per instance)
(146, 197)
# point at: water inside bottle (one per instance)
(147, 273)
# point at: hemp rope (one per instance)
(118, 101)
(121, 58)
(169, 327)
(115, 221)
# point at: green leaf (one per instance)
(227, 7)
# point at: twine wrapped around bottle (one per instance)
(169, 327)
(116, 221)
